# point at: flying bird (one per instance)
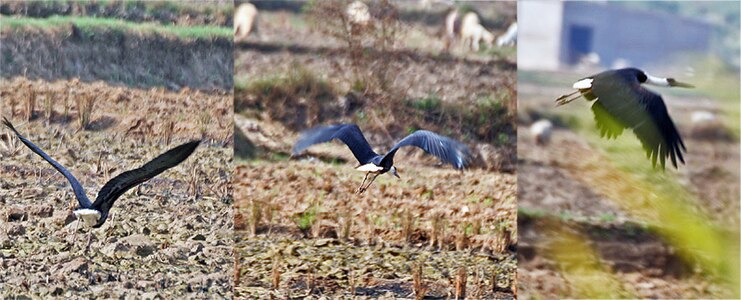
(446, 149)
(95, 213)
(622, 102)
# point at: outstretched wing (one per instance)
(626, 103)
(446, 149)
(76, 186)
(349, 134)
(129, 179)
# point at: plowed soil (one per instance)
(171, 236)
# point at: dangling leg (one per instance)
(565, 98)
(90, 234)
(74, 233)
(360, 189)
(369, 183)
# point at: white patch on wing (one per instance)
(88, 216)
(369, 167)
(585, 83)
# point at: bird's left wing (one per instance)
(446, 149)
(115, 187)
(76, 186)
(663, 130)
(349, 134)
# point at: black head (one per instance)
(642, 77)
(631, 73)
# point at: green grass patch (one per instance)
(530, 213)
(89, 26)
(488, 119)
(507, 52)
(286, 89)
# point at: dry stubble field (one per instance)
(172, 235)
(302, 230)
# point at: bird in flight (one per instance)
(95, 213)
(622, 102)
(446, 149)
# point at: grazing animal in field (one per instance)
(358, 14)
(707, 126)
(448, 150)
(620, 102)
(473, 33)
(541, 132)
(245, 21)
(702, 117)
(95, 213)
(509, 38)
(452, 28)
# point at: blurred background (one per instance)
(103, 87)
(595, 219)
(391, 68)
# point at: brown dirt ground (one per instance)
(646, 264)
(172, 236)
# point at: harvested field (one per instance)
(436, 232)
(170, 236)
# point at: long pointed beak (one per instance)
(673, 82)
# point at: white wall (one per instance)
(539, 34)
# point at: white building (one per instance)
(555, 35)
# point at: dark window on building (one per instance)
(580, 42)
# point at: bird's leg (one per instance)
(74, 233)
(369, 183)
(89, 235)
(565, 98)
(360, 189)
(110, 226)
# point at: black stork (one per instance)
(446, 149)
(622, 102)
(95, 213)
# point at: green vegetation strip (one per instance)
(88, 24)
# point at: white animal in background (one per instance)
(707, 126)
(702, 117)
(452, 28)
(509, 38)
(472, 33)
(245, 21)
(541, 132)
(358, 13)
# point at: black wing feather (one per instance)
(349, 134)
(446, 149)
(117, 186)
(76, 186)
(624, 103)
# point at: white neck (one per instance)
(658, 81)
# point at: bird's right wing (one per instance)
(115, 187)
(350, 134)
(76, 186)
(446, 149)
